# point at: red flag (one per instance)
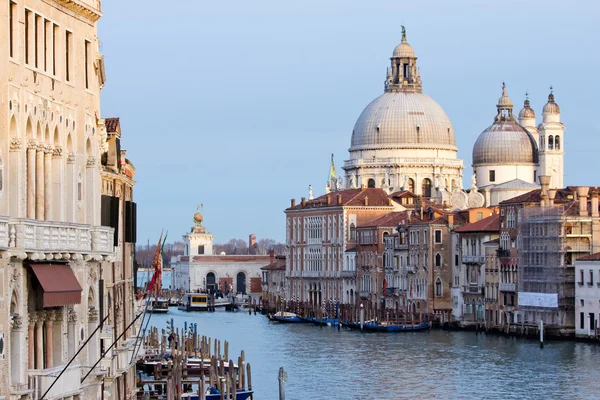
(155, 284)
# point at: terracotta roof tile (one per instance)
(392, 219)
(350, 198)
(590, 257)
(489, 224)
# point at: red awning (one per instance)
(59, 283)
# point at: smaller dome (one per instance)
(551, 107)
(527, 111)
(198, 217)
(403, 50)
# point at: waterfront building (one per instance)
(587, 296)
(118, 281)
(321, 233)
(478, 261)
(273, 278)
(395, 264)
(55, 252)
(198, 269)
(509, 155)
(403, 140)
(374, 272)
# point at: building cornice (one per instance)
(81, 8)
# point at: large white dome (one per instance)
(403, 120)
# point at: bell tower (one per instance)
(551, 143)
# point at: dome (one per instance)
(527, 111)
(504, 101)
(551, 107)
(505, 143)
(404, 50)
(198, 217)
(403, 120)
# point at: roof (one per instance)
(278, 264)
(516, 184)
(403, 193)
(392, 219)
(590, 257)
(112, 124)
(562, 196)
(489, 224)
(493, 241)
(349, 198)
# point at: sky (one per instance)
(239, 105)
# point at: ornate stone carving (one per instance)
(15, 144)
(72, 317)
(57, 152)
(93, 315)
(71, 158)
(16, 322)
(32, 145)
(15, 276)
(48, 149)
(91, 161)
(92, 274)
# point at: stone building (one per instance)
(321, 234)
(587, 296)
(54, 249)
(117, 279)
(478, 261)
(374, 265)
(198, 269)
(273, 278)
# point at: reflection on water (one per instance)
(324, 363)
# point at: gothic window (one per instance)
(371, 183)
(352, 232)
(557, 142)
(438, 287)
(411, 185)
(438, 236)
(438, 260)
(426, 188)
(550, 143)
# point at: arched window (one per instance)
(426, 188)
(438, 260)
(550, 143)
(352, 231)
(411, 185)
(438, 287)
(557, 142)
(371, 183)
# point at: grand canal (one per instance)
(324, 363)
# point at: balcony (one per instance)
(347, 274)
(507, 287)
(68, 384)
(311, 274)
(411, 269)
(403, 160)
(364, 294)
(58, 237)
(473, 259)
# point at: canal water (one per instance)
(324, 363)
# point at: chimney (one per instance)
(389, 201)
(551, 196)
(362, 186)
(293, 203)
(451, 219)
(328, 200)
(582, 193)
(303, 201)
(366, 200)
(594, 204)
(339, 199)
(272, 255)
(545, 183)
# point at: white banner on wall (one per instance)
(532, 299)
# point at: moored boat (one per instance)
(373, 326)
(323, 321)
(285, 317)
(195, 302)
(159, 306)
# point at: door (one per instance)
(241, 283)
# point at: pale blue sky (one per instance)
(238, 105)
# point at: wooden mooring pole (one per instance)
(282, 380)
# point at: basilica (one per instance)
(404, 141)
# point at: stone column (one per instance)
(39, 342)
(39, 183)
(71, 322)
(71, 192)
(31, 149)
(93, 344)
(48, 183)
(31, 342)
(49, 351)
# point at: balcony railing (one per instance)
(47, 236)
(68, 384)
(473, 259)
(4, 232)
(473, 289)
(347, 274)
(410, 269)
(311, 274)
(507, 287)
